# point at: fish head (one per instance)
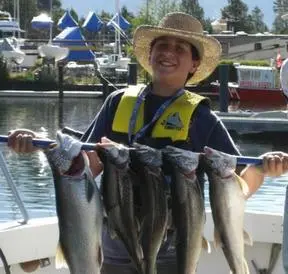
(221, 163)
(147, 155)
(185, 160)
(117, 154)
(61, 154)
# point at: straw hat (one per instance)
(185, 27)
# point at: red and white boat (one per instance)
(255, 84)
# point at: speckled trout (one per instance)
(79, 210)
(118, 199)
(227, 193)
(148, 163)
(188, 209)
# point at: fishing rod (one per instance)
(45, 143)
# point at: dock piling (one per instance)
(132, 74)
(224, 92)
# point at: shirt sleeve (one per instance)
(221, 140)
(102, 123)
(208, 130)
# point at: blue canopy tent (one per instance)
(72, 38)
(42, 21)
(66, 21)
(123, 23)
(92, 22)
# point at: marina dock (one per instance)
(49, 94)
(250, 123)
(242, 123)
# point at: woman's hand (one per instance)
(20, 140)
(96, 166)
(275, 163)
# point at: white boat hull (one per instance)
(52, 51)
(16, 56)
(38, 240)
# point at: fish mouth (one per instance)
(118, 154)
(186, 160)
(62, 153)
(60, 158)
(147, 155)
(220, 163)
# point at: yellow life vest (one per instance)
(174, 123)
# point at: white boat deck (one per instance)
(38, 239)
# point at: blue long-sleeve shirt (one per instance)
(206, 129)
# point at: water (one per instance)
(32, 174)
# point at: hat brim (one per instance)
(208, 47)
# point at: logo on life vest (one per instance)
(173, 121)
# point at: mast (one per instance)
(14, 12)
(51, 25)
(117, 32)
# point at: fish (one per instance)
(148, 163)
(118, 200)
(79, 209)
(188, 208)
(227, 192)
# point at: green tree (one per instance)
(128, 15)
(154, 10)
(192, 7)
(7, 5)
(237, 14)
(257, 20)
(74, 15)
(28, 9)
(280, 25)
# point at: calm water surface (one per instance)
(32, 175)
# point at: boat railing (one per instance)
(13, 188)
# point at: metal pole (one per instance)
(224, 93)
(12, 186)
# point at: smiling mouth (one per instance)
(166, 64)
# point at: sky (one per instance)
(211, 7)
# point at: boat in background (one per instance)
(51, 51)
(10, 40)
(255, 84)
(112, 64)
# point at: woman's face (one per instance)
(171, 60)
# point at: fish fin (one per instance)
(217, 239)
(242, 183)
(137, 223)
(100, 256)
(141, 231)
(246, 268)
(206, 245)
(165, 236)
(247, 238)
(60, 261)
(111, 230)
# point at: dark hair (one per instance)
(196, 57)
(194, 51)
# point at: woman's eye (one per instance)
(162, 46)
(181, 49)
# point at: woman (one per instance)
(175, 53)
